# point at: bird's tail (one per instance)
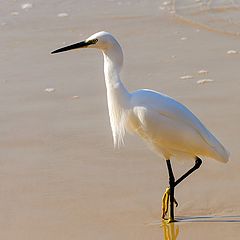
(220, 153)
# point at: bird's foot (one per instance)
(170, 220)
(165, 204)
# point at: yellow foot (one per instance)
(170, 220)
(165, 204)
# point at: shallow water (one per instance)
(222, 16)
(217, 227)
(59, 175)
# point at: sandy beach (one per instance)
(60, 177)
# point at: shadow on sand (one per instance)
(216, 219)
(171, 231)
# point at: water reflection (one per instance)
(170, 231)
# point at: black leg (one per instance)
(198, 163)
(171, 186)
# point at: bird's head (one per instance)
(101, 40)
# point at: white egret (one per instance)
(167, 125)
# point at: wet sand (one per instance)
(60, 177)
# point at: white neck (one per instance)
(118, 97)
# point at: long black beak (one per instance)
(71, 47)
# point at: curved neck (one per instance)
(118, 98)
(113, 61)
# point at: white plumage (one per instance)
(171, 128)
(163, 122)
(167, 125)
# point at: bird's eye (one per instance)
(93, 41)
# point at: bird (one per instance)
(165, 124)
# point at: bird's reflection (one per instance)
(170, 231)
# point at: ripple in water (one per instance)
(221, 16)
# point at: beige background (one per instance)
(60, 177)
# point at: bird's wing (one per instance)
(175, 111)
